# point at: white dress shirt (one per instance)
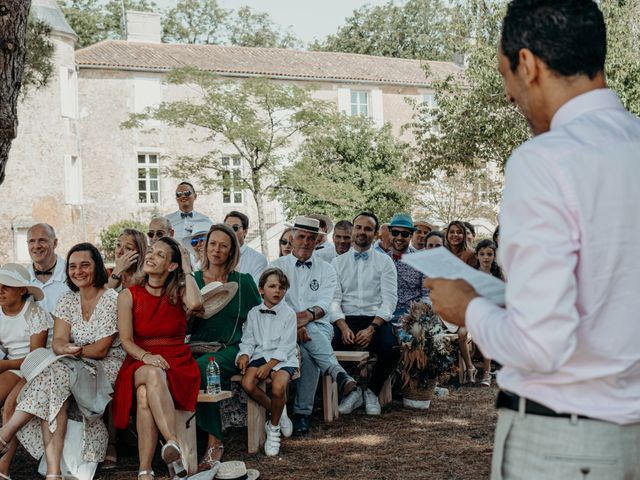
(184, 227)
(569, 228)
(252, 262)
(54, 287)
(325, 251)
(309, 287)
(365, 287)
(271, 336)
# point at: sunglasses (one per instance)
(196, 240)
(400, 233)
(156, 233)
(235, 227)
(187, 194)
(284, 242)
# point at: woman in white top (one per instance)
(24, 326)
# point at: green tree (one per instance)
(94, 21)
(38, 65)
(194, 21)
(256, 119)
(347, 166)
(249, 29)
(416, 29)
(109, 236)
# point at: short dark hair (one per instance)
(187, 184)
(434, 233)
(470, 227)
(282, 278)
(370, 215)
(243, 218)
(569, 36)
(101, 276)
(343, 225)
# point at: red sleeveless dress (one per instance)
(159, 328)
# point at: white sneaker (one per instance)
(441, 392)
(371, 403)
(286, 425)
(272, 442)
(351, 402)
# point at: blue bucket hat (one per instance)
(402, 220)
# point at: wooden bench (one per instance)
(186, 430)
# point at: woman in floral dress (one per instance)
(85, 327)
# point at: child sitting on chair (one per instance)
(268, 350)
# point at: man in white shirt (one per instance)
(312, 286)
(251, 261)
(47, 270)
(325, 249)
(159, 227)
(186, 220)
(363, 304)
(568, 336)
(342, 236)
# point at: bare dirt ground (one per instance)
(450, 441)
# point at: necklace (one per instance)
(45, 272)
(154, 286)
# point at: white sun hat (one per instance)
(236, 470)
(14, 275)
(216, 295)
(307, 224)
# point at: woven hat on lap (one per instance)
(36, 362)
(216, 295)
(236, 470)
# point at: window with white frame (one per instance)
(72, 180)
(148, 178)
(430, 105)
(68, 92)
(359, 103)
(20, 247)
(231, 179)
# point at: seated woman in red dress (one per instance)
(159, 365)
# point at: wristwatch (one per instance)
(375, 326)
(116, 277)
(312, 311)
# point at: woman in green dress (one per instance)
(222, 254)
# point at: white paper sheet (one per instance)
(441, 263)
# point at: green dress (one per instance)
(226, 327)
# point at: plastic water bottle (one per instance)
(213, 377)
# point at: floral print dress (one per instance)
(45, 395)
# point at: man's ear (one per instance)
(528, 66)
(171, 233)
(55, 243)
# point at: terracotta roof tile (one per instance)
(271, 62)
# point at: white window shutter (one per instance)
(377, 113)
(344, 100)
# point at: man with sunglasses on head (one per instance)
(251, 261)
(159, 227)
(362, 307)
(410, 280)
(186, 220)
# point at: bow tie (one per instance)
(396, 257)
(360, 255)
(270, 312)
(186, 215)
(303, 264)
(45, 272)
(319, 247)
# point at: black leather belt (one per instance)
(512, 402)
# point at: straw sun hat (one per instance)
(216, 295)
(236, 470)
(14, 275)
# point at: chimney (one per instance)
(142, 27)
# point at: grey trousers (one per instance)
(316, 356)
(534, 447)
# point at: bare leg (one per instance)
(466, 357)
(279, 384)
(250, 385)
(54, 442)
(158, 399)
(147, 430)
(9, 408)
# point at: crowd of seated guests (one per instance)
(128, 325)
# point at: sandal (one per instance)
(486, 379)
(470, 375)
(5, 446)
(208, 462)
(4, 477)
(172, 456)
(146, 472)
(111, 458)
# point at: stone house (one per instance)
(75, 168)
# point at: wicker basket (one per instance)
(414, 396)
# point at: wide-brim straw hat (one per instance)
(35, 362)
(236, 470)
(323, 219)
(186, 241)
(307, 224)
(216, 295)
(425, 223)
(14, 275)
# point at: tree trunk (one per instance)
(257, 197)
(13, 34)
